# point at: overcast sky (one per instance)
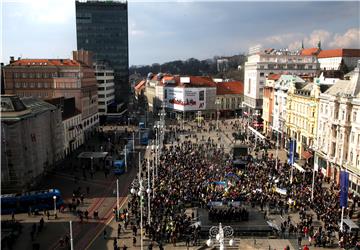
(170, 30)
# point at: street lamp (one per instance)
(220, 233)
(55, 214)
(217, 102)
(91, 167)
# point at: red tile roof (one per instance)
(201, 81)
(230, 88)
(339, 53)
(310, 51)
(195, 81)
(46, 62)
(274, 77)
(141, 85)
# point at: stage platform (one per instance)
(255, 226)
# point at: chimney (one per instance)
(12, 59)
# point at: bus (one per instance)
(144, 137)
(119, 167)
(36, 200)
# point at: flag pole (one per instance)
(342, 219)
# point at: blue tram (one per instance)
(36, 200)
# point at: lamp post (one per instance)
(313, 179)
(133, 141)
(92, 167)
(277, 148)
(148, 191)
(140, 194)
(71, 237)
(117, 199)
(55, 214)
(220, 233)
(217, 102)
(125, 159)
(156, 149)
(153, 179)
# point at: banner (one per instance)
(292, 148)
(185, 99)
(344, 188)
(232, 175)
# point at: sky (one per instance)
(163, 31)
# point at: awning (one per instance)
(298, 167)
(351, 224)
(307, 155)
(89, 155)
(256, 133)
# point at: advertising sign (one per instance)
(185, 99)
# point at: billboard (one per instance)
(185, 99)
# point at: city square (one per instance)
(180, 125)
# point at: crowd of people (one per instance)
(228, 214)
(187, 170)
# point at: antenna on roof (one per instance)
(302, 44)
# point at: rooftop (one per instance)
(348, 88)
(45, 62)
(230, 88)
(339, 53)
(310, 51)
(14, 109)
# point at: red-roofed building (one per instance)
(185, 95)
(52, 78)
(331, 59)
(310, 52)
(229, 98)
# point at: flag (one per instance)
(344, 188)
(292, 152)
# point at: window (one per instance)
(201, 95)
(354, 117)
(32, 85)
(24, 85)
(249, 86)
(352, 136)
(17, 85)
(262, 74)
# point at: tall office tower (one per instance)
(102, 27)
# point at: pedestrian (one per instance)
(119, 231)
(299, 240)
(13, 216)
(125, 247)
(104, 233)
(134, 241)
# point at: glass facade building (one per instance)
(102, 27)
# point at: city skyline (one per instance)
(165, 31)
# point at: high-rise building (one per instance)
(102, 27)
(105, 79)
